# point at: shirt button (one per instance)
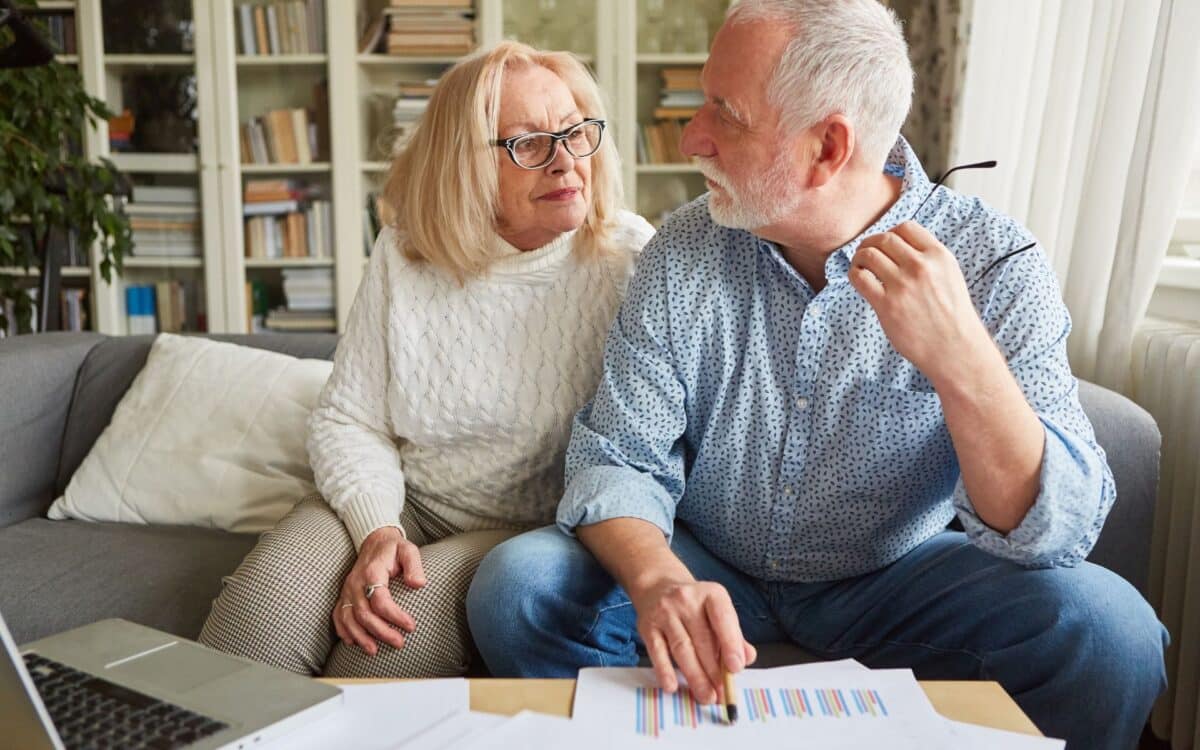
(773, 565)
(814, 310)
(787, 490)
(801, 403)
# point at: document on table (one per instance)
(381, 716)
(986, 738)
(838, 705)
(528, 729)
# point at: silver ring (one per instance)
(349, 604)
(370, 588)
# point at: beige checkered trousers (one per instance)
(277, 606)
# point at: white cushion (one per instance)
(209, 434)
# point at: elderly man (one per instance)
(819, 365)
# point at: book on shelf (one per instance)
(171, 306)
(280, 136)
(60, 28)
(309, 301)
(422, 28)
(140, 308)
(173, 194)
(165, 221)
(295, 27)
(74, 309)
(282, 319)
(686, 78)
(163, 306)
(257, 305)
(273, 30)
(285, 219)
(431, 3)
(260, 28)
(679, 99)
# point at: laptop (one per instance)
(118, 684)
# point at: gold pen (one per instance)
(731, 711)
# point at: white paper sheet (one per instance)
(984, 738)
(455, 731)
(533, 730)
(838, 705)
(380, 716)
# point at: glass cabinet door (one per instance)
(150, 75)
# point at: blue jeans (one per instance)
(1079, 649)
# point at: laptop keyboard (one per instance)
(89, 712)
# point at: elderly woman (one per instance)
(476, 335)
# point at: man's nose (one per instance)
(695, 140)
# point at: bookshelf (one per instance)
(232, 84)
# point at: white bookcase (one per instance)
(230, 88)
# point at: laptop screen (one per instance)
(25, 720)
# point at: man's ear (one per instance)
(833, 142)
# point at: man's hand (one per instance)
(385, 554)
(918, 292)
(692, 624)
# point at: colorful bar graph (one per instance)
(658, 711)
(761, 704)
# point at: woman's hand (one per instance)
(385, 554)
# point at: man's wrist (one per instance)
(967, 368)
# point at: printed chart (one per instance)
(764, 704)
(834, 706)
(657, 711)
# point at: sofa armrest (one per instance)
(37, 379)
(1130, 438)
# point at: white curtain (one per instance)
(1092, 109)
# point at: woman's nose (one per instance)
(562, 161)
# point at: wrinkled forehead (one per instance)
(533, 97)
(742, 60)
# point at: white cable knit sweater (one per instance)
(462, 398)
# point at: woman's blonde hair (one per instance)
(444, 185)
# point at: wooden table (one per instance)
(983, 703)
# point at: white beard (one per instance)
(753, 206)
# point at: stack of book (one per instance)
(151, 308)
(165, 221)
(430, 27)
(309, 301)
(281, 136)
(281, 28)
(681, 96)
(286, 220)
(408, 109)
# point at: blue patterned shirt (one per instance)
(782, 427)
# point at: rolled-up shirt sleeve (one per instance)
(626, 457)
(1029, 322)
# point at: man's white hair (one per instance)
(844, 57)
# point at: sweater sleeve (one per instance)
(355, 460)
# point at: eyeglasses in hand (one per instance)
(938, 184)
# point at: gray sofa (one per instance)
(58, 392)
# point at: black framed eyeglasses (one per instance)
(978, 165)
(536, 150)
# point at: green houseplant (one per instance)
(45, 179)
